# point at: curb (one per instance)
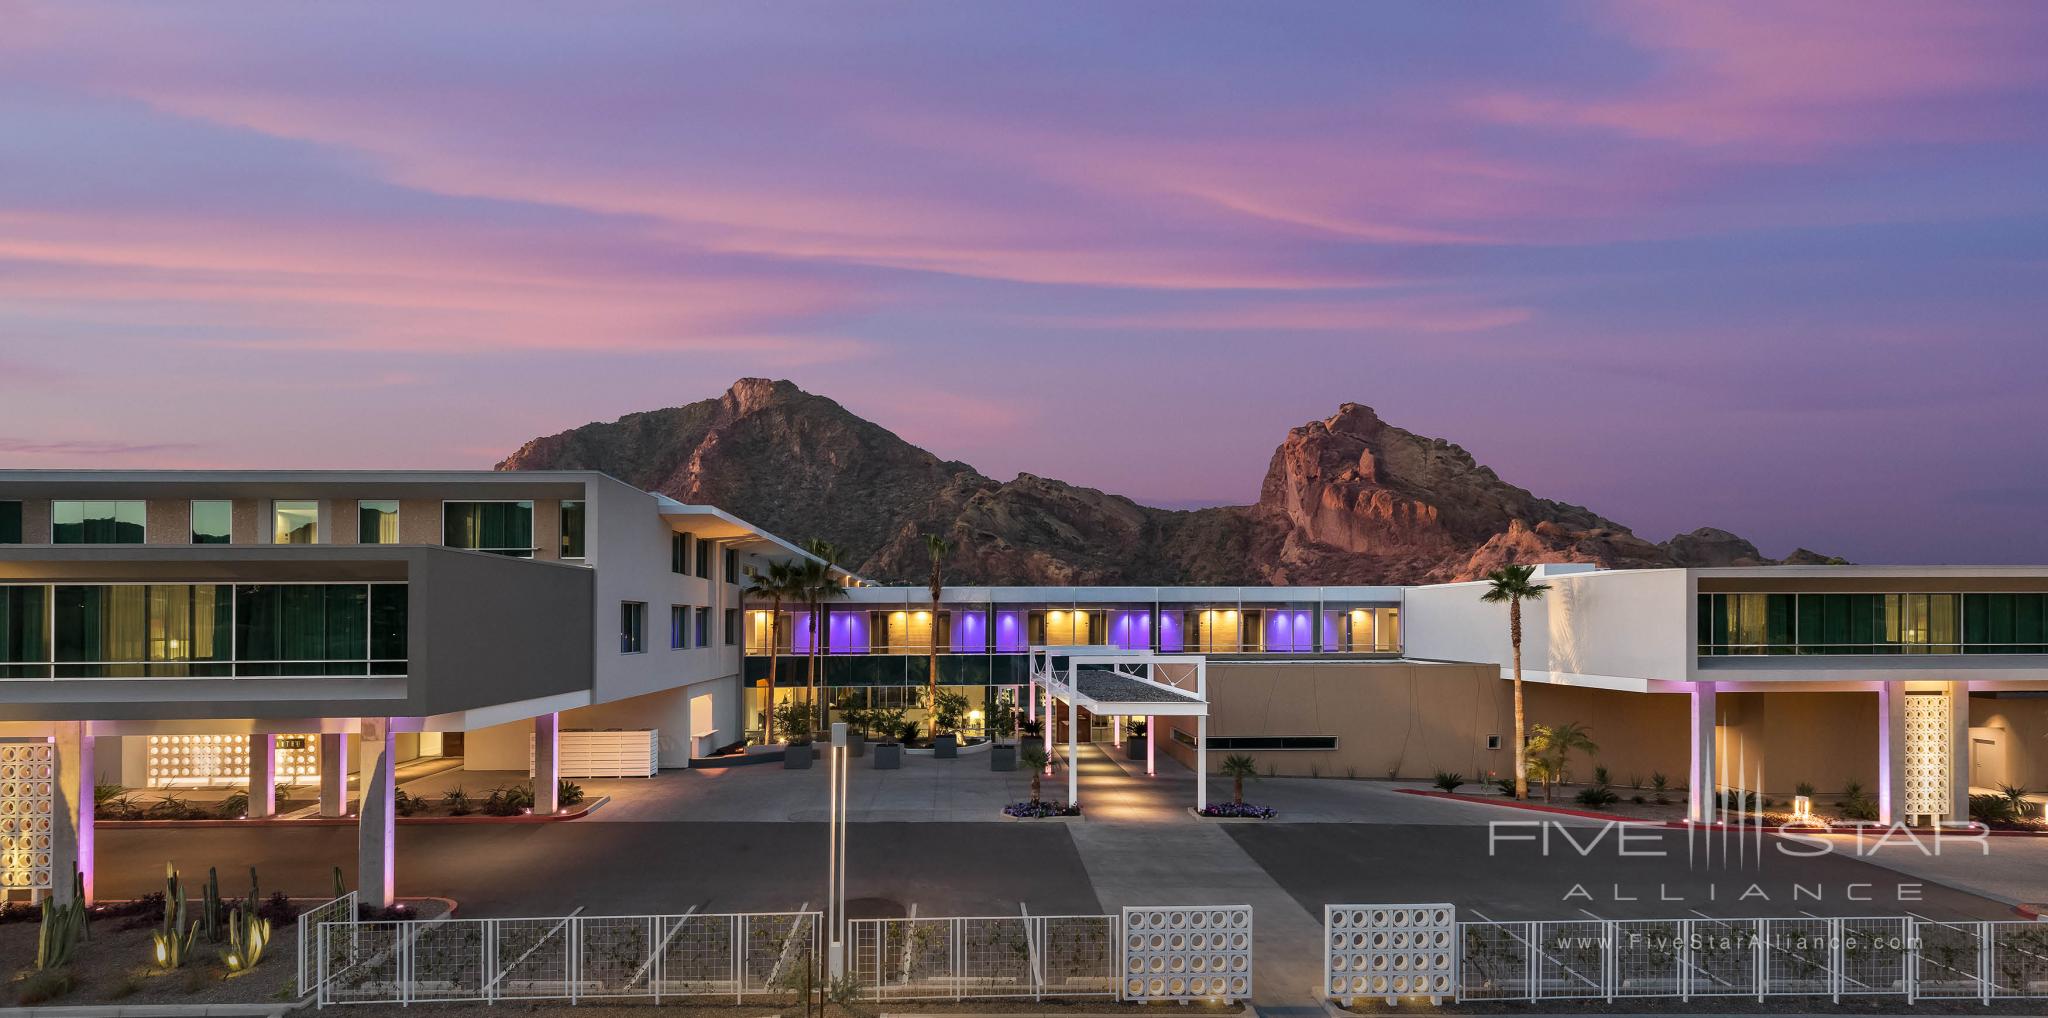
(589, 806)
(150, 1011)
(1532, 807)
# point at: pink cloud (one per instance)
(1796, 78)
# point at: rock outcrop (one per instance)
(1348, 499)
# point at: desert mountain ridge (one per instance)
(1349, 499)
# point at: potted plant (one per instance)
(949, 710)
(1134, 739)
(795, 718)
(856, 718)
(1002, 728)
(889, 751)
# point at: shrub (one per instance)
(235, 806)
(279, 910)
(120, 807)
(568, 793)
(508, 802)
(1600, 777)
(1449, 780)
(43, 986)
(1804, 788)
(1239, 811)
(1739, 800)
(406, 804)
(458, 803)
(1599, 796)
(1637, 799)
(1036, 809)
(1856, 803)
(1505, 786)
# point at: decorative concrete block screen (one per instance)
(28, 799)
(1188, 953)
(1390, 951)
(1927, 750)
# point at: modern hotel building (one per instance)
(160, 629)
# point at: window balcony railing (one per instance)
(332, 668)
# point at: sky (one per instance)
(1776, 268)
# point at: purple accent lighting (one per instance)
(1330, 629)
(969, 635)
(848, 633)
(1130, 630)
(800, 633)
(1010, 633)
(1169, 633)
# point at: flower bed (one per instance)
(1037, 809)
(1239, 811)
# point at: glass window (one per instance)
(703, 627)
(212, 521)
(302, 629)
(24, 630)
(295, 522)
(678, 622)
(377, 521)
(572, 529)
(632, 627)
(732, 626)
(732, 566)
(679, 553)
(703, 559)
(97, 522)
(502, 528)
(10, 522)
(389, 608)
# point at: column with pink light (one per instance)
(376, 834)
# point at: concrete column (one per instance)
(1201, 761)
(1052, 722)
(334, 757)
(547, 763)
(1700, 773)
(1116, 730)
(1073, 756)
(1891, 752)
(262, 776)
(71, 834)
(376, 834)
(1958, 751)
(1151, 744)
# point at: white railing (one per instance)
(571, 958)
(1389, 951)
(340, 910)
(963, 957)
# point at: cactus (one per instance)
(248, 935)
(255, 893)
(63, 927)
(172, 942)
(209, 908)
(78, 903)
(339, 890)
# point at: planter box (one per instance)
(797, 758)
(856, 744)
(1134, 749)
(946, 747)
(888, 756)
(1002, 758)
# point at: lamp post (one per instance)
(835, 856)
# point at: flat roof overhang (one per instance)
(436, 484)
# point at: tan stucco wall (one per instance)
(1827, 739)
(2017, 733)
(35, 521)
(419, 521)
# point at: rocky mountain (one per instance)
(1347, 499)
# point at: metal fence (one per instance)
(1908, 957)
(342, 909)
(742, 955)
(958, 958)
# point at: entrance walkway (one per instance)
(1129, 863)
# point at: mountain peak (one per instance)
(1346, 499)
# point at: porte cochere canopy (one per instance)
(1112, 682)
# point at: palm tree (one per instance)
(1238, 767)
(1511, 584)
(1035, 760)
(1553, 745)
(939, 548)
(778, 582)
(818, 586)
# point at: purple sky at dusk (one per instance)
(1777, 268)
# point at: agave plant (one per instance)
(172, 943)
(63, 927)
(248, 935)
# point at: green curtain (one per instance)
(23, 624)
